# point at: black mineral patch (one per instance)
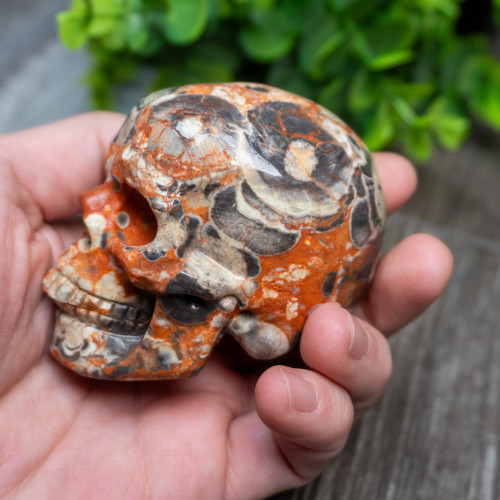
(336, 222)
(191, 223)
(211, 110)
(122, 219)
(116, 183)
(210, 188)
(360, 224)
(154, 254)
(185, 284)
(176, 210)
(210, 231)
(328, 284)
(187, 309)
(120, 345)
(257, 88)
(253, 264)
(104, 240)
(254, 235)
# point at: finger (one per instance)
(303, 421)
(58, 161)
(408, 280)
(348, 351)
(310, 416)
(397, 178)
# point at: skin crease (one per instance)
(221, 434)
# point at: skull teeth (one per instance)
(112, 316)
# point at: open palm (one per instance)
(221, 434)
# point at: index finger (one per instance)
(58, 161)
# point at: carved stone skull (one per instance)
(228, 208)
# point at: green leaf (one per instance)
(101, 26)
(386, 45)
(266, 42)
(447, 122)
(410, 91)
(329, 97)
(293, 13)
(382, 127)
(363, 91)
(107, 8)
(452, 130)
(340, 5)
(391, 60)
(417, 143)
(137, 32)
(284, 74)
(404, 110)
(479, 84)
(73, 24)
(449, 8)
(185, 20)
(320, 41)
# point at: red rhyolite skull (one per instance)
(230, 208)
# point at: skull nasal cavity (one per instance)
(136, 220)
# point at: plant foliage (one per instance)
(396, 70)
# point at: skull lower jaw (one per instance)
(88, 349)
(159, 354)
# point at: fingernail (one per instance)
(360, 340)
(302, 395)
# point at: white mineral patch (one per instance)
(269, 293)
(205, 351)
(190, 126)
(74, 333)
(167, 353)
(228, 303)
(294, 273)
(316, 261)
(109, 288)
(96, 224)
(255, 214)
(292, 309)
(272, 342)
(232, 97)
(83, 244)
(128, 153)
(105, 305)
(84, 284)
(211, 275)
(300, 160)
(299, 273)
(219, 320)
(340, 136)
(64, 292)
(161, 321)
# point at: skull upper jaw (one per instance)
(107, 328)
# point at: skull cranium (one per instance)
(228, 208)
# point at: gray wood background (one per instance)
(436, 433)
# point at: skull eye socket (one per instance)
(136, 221)
(188, 309)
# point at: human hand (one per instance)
(221, 434)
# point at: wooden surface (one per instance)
(436, 433)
